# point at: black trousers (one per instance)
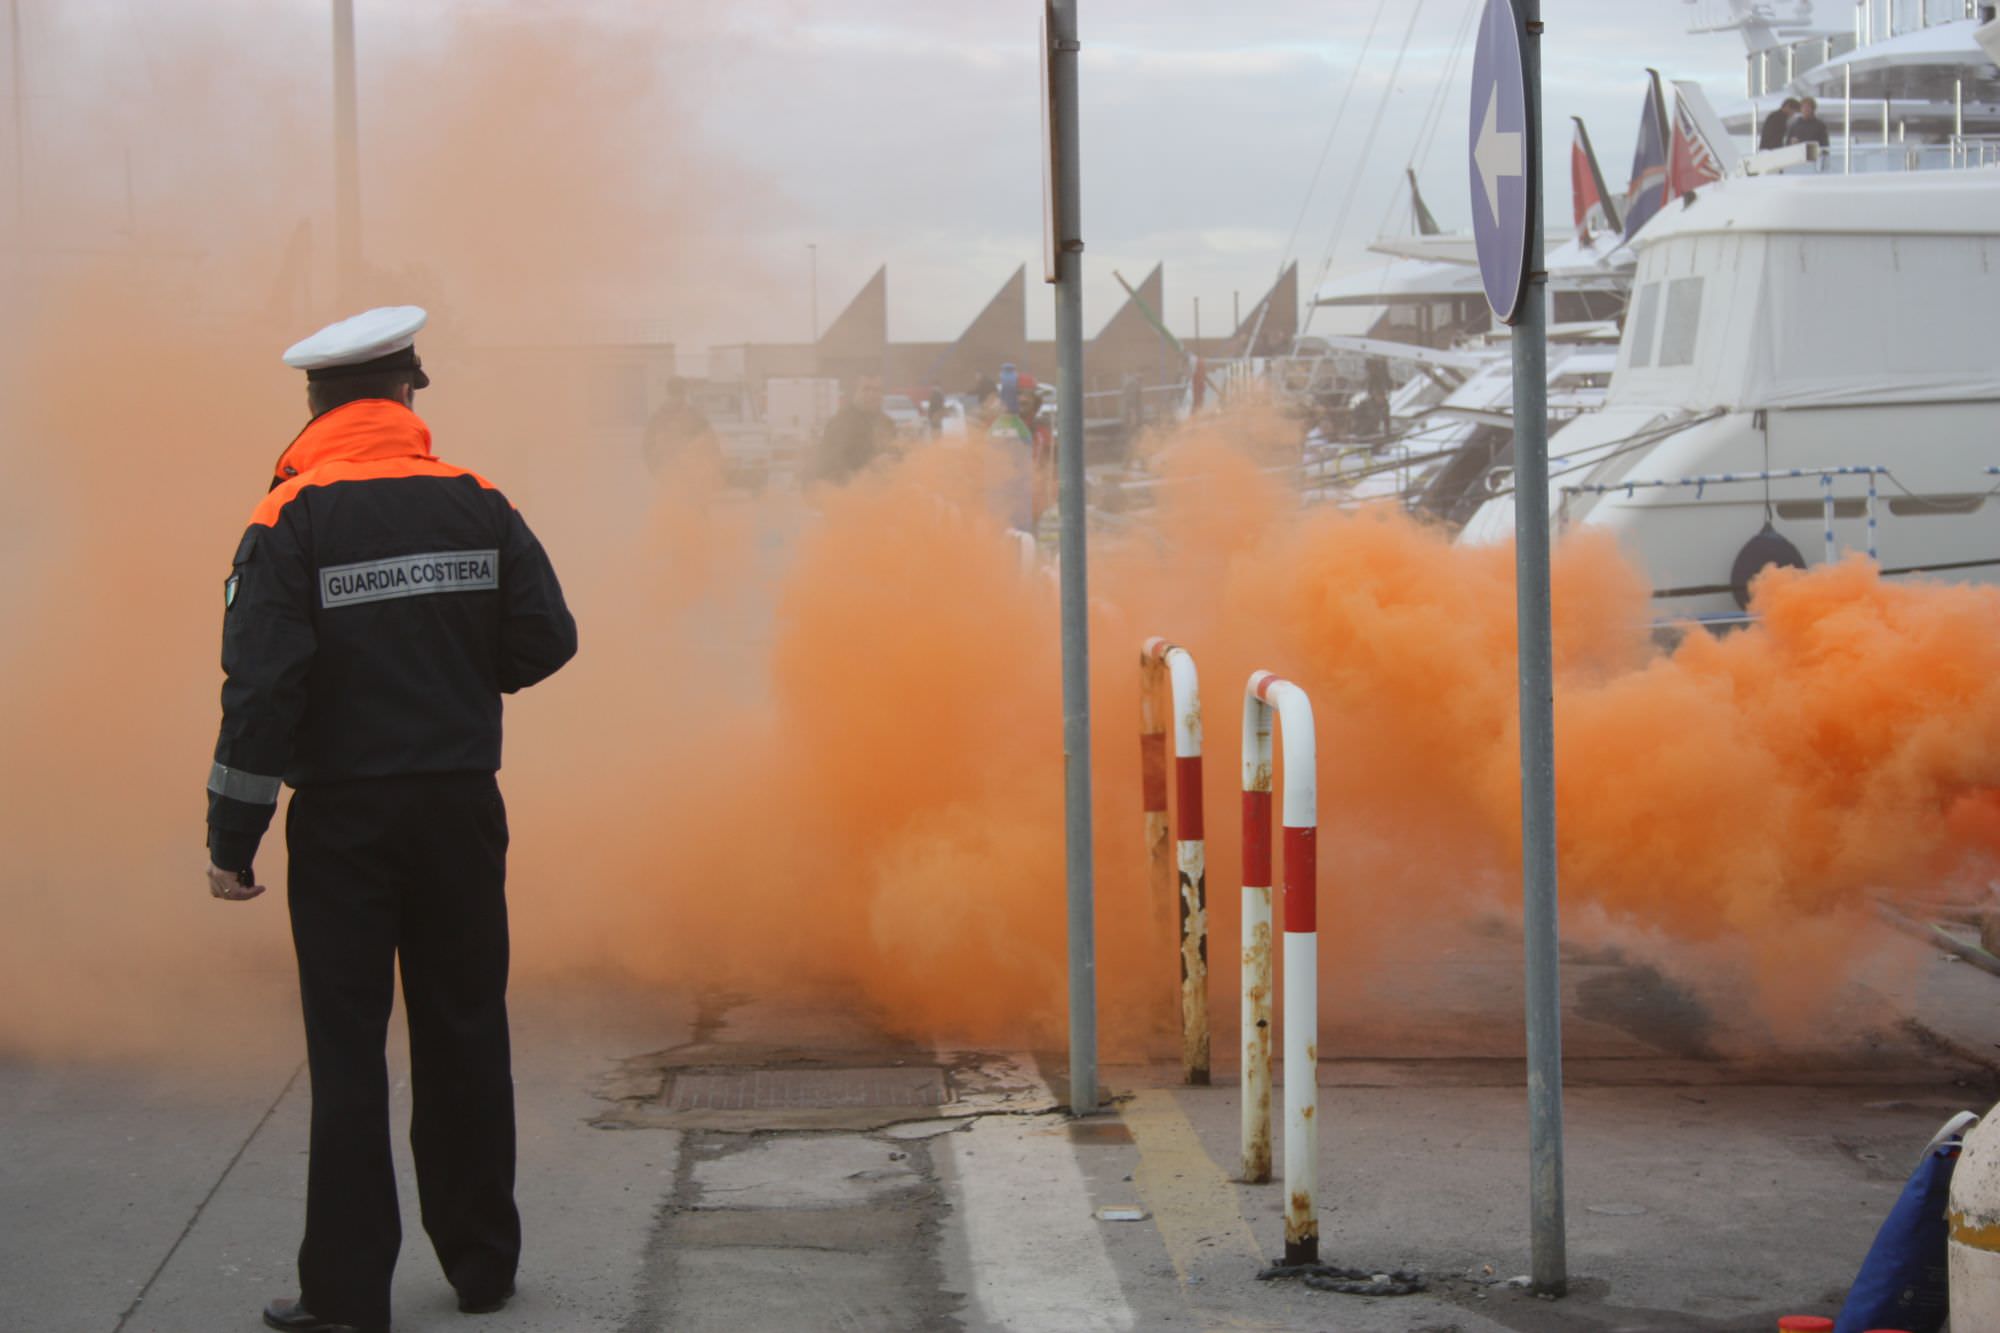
(412, 868)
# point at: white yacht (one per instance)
(1808, 354)
(1900, 84)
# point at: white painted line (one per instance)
(1037, 1255)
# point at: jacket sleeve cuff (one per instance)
(232, 850)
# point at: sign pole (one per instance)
(1549, 1269)
(1505, 163)
(1064, 236)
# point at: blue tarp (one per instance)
(1903, 1283)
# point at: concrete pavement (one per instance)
(1707, 1190)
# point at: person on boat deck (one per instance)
(1777, 125)
(1807, 127)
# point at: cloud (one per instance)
(907, 132)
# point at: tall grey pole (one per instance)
(1075, 593)
(1538, 761)
(20, 122)
(346, 158)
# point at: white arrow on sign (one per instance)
(1497, 154)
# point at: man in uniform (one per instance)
(380, 603)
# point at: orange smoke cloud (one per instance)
(875, 806)
(168, 254)
(815, 744)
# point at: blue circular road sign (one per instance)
(1502, 167)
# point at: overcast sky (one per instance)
(879, 131)
(906, 133)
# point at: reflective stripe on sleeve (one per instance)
(250, 788)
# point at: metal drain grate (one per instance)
(805, 1089)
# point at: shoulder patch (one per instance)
(245, 549)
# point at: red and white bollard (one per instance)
(1162, 663)
(1266, 695)
(1256, 960)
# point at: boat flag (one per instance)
(1593, 207)
(1693, 162)
(1647, 193)
(1702, 151)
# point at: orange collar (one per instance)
(366, 430)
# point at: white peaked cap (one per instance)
(368, 336)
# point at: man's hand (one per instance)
(235, 885)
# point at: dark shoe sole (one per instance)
(294, 1326)
(485, 1305)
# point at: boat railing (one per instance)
(1975, 150)
(1856, 156)
(1700, 483)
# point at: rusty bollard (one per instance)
(1185, 879)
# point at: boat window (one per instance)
(1801, 510)
(1643, 322)
(1683, 322)
(1936, 506)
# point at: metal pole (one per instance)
(1271, 695)
(1169, 670)
(1537, 702)
(1191, 857)
(1153, 689)
(20, 121)
(1872, 555)
(1075, 589)
(1847, 119)
(1255, 966)
(346, 158)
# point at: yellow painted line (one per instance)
(1191, 1198)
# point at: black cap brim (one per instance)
(404, 360)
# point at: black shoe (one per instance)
(295, 1318)
(485, 1304)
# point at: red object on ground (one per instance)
(1805, 1323)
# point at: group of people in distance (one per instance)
(1795, 121)
(860, 433)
